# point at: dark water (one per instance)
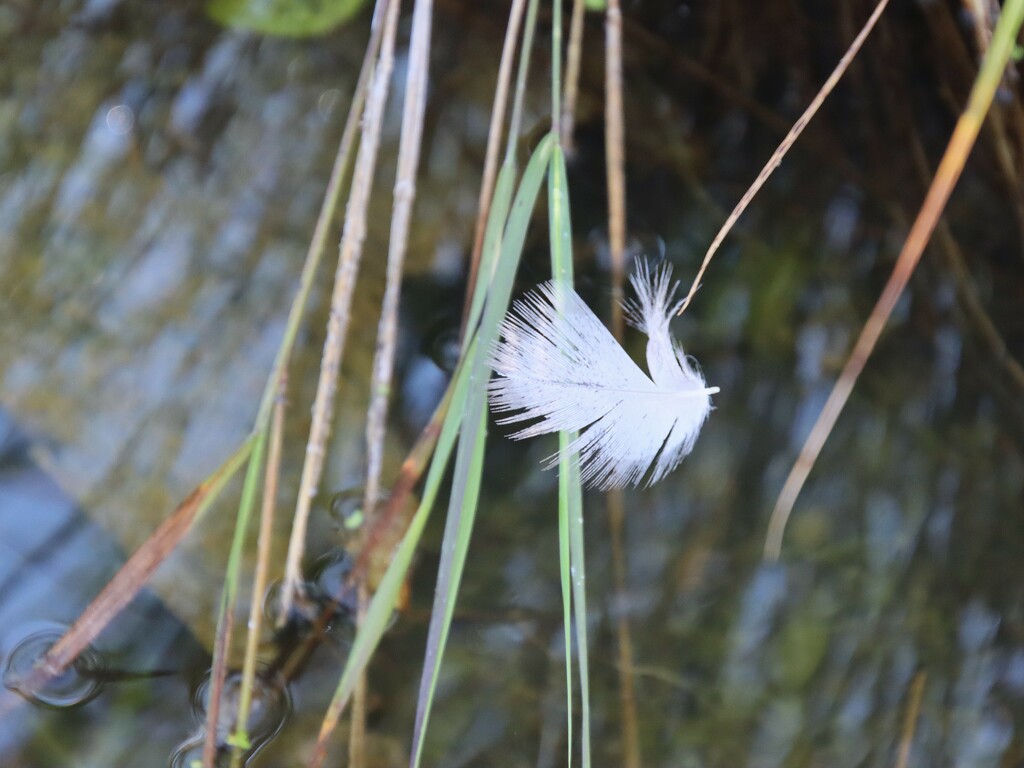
(159, 181)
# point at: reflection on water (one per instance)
(159, 178)
(269, 710)
(80, 683)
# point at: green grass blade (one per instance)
(469, 456)
(579, 596)
(229, 593)
(565, 569)
(378, 613)
(570, 493)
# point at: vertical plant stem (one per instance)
(404, 196)
(615, 158)
(577, 553)
(387, 331)
(240, 739)
(229, 596)
(354, 233)
(556, 67)
(960, 144)
(794, 133)
(574, 56)
(565, 569)
(487, 189)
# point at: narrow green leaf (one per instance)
(579, 596)
(229, 593)
(570, 492)
(378, 612)
(469, 455)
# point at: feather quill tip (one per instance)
(558, 367)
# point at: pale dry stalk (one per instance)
(353, 236)
(404, 196)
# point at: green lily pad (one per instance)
(287, 18)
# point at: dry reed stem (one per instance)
(387, 331)
(573, 58)
(964, 135)
(404, 196)
(615, 159)
(508, 52)
(794, 133)
(353, 235)
(318, 244)
(910, 721)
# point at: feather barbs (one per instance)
(559, 367)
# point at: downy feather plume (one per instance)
(558, 363)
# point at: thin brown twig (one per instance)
(353, 235)
(776, 159)
(137, 569)
(960, 144)
(615, 158)
(508, 52)
(132, 576)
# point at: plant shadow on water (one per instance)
(146, 266)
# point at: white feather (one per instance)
(558, 363)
